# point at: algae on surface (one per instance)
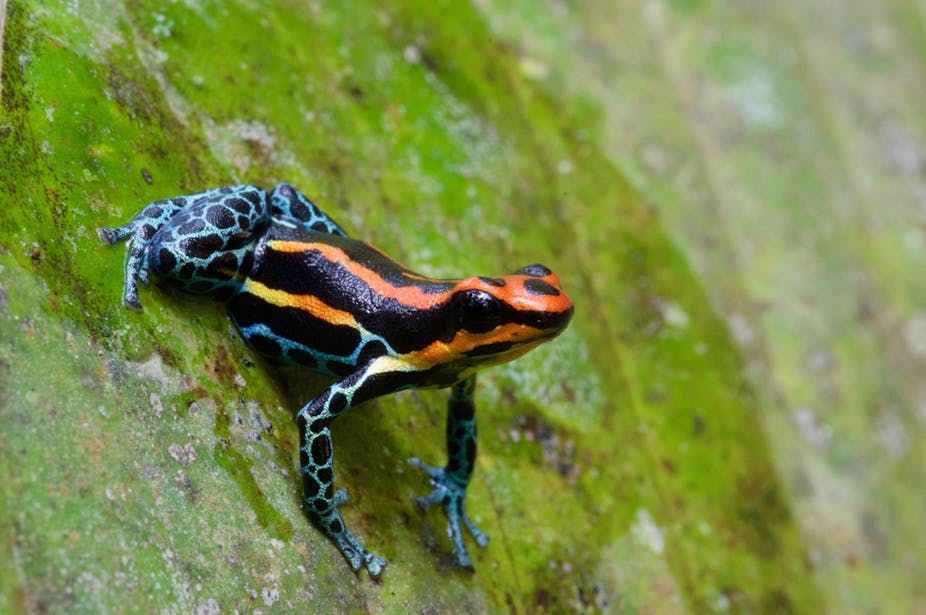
(686, 175)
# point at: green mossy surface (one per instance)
(733, 422)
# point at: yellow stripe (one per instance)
(309, 303)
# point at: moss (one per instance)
(632, 465)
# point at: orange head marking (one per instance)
(498, 319)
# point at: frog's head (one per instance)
(499, 319)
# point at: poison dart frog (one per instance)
(300, 291)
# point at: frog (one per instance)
(301, 292)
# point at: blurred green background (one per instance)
(734, 195)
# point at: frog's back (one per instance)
(331, 303)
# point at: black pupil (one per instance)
(478, 311)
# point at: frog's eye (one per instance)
(477, 311)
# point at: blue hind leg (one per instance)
(201, 243)
(288, 204)
(141, 228)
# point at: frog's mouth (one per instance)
(556, 321)
(512, 346)
(548, 324)
(511, 353)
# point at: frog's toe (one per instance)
(374, 563)
(426, 501)
(357, 556)
(463, 561)
(130, 296)
(435, 472)
(481, 538)
(107, 235)
(111, 235)
(460, 553)
(438, 493)
(340, 497)
(132, 303)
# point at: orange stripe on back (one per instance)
(412, 296)
(513, 293)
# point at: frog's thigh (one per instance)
(289, 202)
(209, 241)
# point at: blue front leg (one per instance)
(450, 481)
(316, 455)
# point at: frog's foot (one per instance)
(136, 266)
(331, 523)
(450, 494)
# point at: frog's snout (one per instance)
(541, 280)
(545, 296)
